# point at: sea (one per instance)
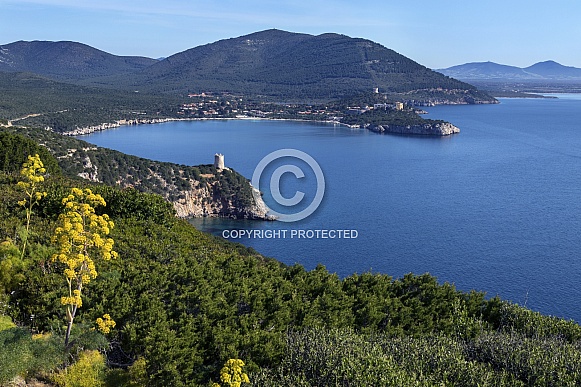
(495, 208)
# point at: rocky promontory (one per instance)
(194, 191)
(425, 129)
(201, 201)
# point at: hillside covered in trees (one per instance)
(274, 64)
(285, 65)
(63, 106)
(199, 190)
(177, 304)
(66, 60)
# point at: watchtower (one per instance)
(219, 161)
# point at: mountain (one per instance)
(282, 64)
(69, 61)
(553, 70)
(273, 63)
(486, 70)
(549, 70)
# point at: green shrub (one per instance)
(134, 376)
(138, 373)
(48, 353)
(334, 358)
(534, 361)
(88, 371)
(6, 323)
(514, 318)
(15, 353)
(23, 354)
(14, 150)
(345, 358)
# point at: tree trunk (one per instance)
(68, 334)
(70, 318)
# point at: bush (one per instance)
(514, 318)
(15, 353)
(15, 149)
(345, 358)
(6, 323)
(20, 354)
(334, 358)
(539, 361)
(88, 371)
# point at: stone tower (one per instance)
(219, 161)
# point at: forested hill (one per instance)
(284, 64)
(63, 106)
(275, 64)
(193, 190)
(66, 60)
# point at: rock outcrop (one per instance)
(201, 202)
(427, 129)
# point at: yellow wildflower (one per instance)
(106, 323)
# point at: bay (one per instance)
(495, 208)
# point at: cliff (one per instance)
(426, 129)
(201, 201)
(197, 191)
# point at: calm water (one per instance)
(496, 208)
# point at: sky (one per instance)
(435, 33)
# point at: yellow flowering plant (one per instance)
(81, 237)
(232, 374)
(32, 176)
(106, 323)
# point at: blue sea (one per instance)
(496, 208)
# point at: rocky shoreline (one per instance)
(119, 123)
(145, 121)
(427, 129)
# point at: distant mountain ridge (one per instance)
(547, 70)
(69, 61)
(272, 63)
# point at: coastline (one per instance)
(147, 121)
(439, 129)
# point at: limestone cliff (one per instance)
(427, 129)
(202, 201)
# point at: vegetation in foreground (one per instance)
(189, 306)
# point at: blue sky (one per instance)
(435, 33)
